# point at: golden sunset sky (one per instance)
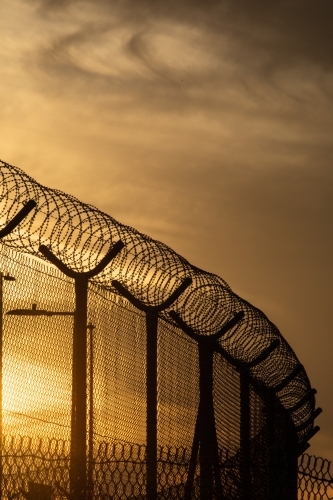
(205, 124)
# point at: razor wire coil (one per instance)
(81, 234)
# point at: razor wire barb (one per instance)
(81, 234)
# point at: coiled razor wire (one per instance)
(80, 235)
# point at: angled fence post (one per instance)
(205, 437)
(151, 381)
(10, 226)
(78, 473)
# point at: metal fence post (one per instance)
(245, 428)
(79, 394)
(208, 442)
(152, 329)
(91, 328)
(276, 473)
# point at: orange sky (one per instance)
(207, 125)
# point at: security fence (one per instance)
(40, 468)
(134, 374)
(315, 478)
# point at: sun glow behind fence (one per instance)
(37, 361)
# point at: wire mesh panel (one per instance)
(178, 400)
(315, 478)
(119, 472)
(37, 350)
(119, 368)
(30, 461)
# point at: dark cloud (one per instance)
(263, 50)
(286, 29)
(290, 29)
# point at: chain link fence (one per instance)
(40, 468)
(131, 373)
(315, 479)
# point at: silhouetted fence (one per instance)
(315, 478)
(40, 469)
(109, 336)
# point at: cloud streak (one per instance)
(177, 52)
(286, 29)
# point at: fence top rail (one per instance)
(81, 235)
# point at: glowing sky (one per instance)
(207, 125)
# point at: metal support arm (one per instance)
(18, 218)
